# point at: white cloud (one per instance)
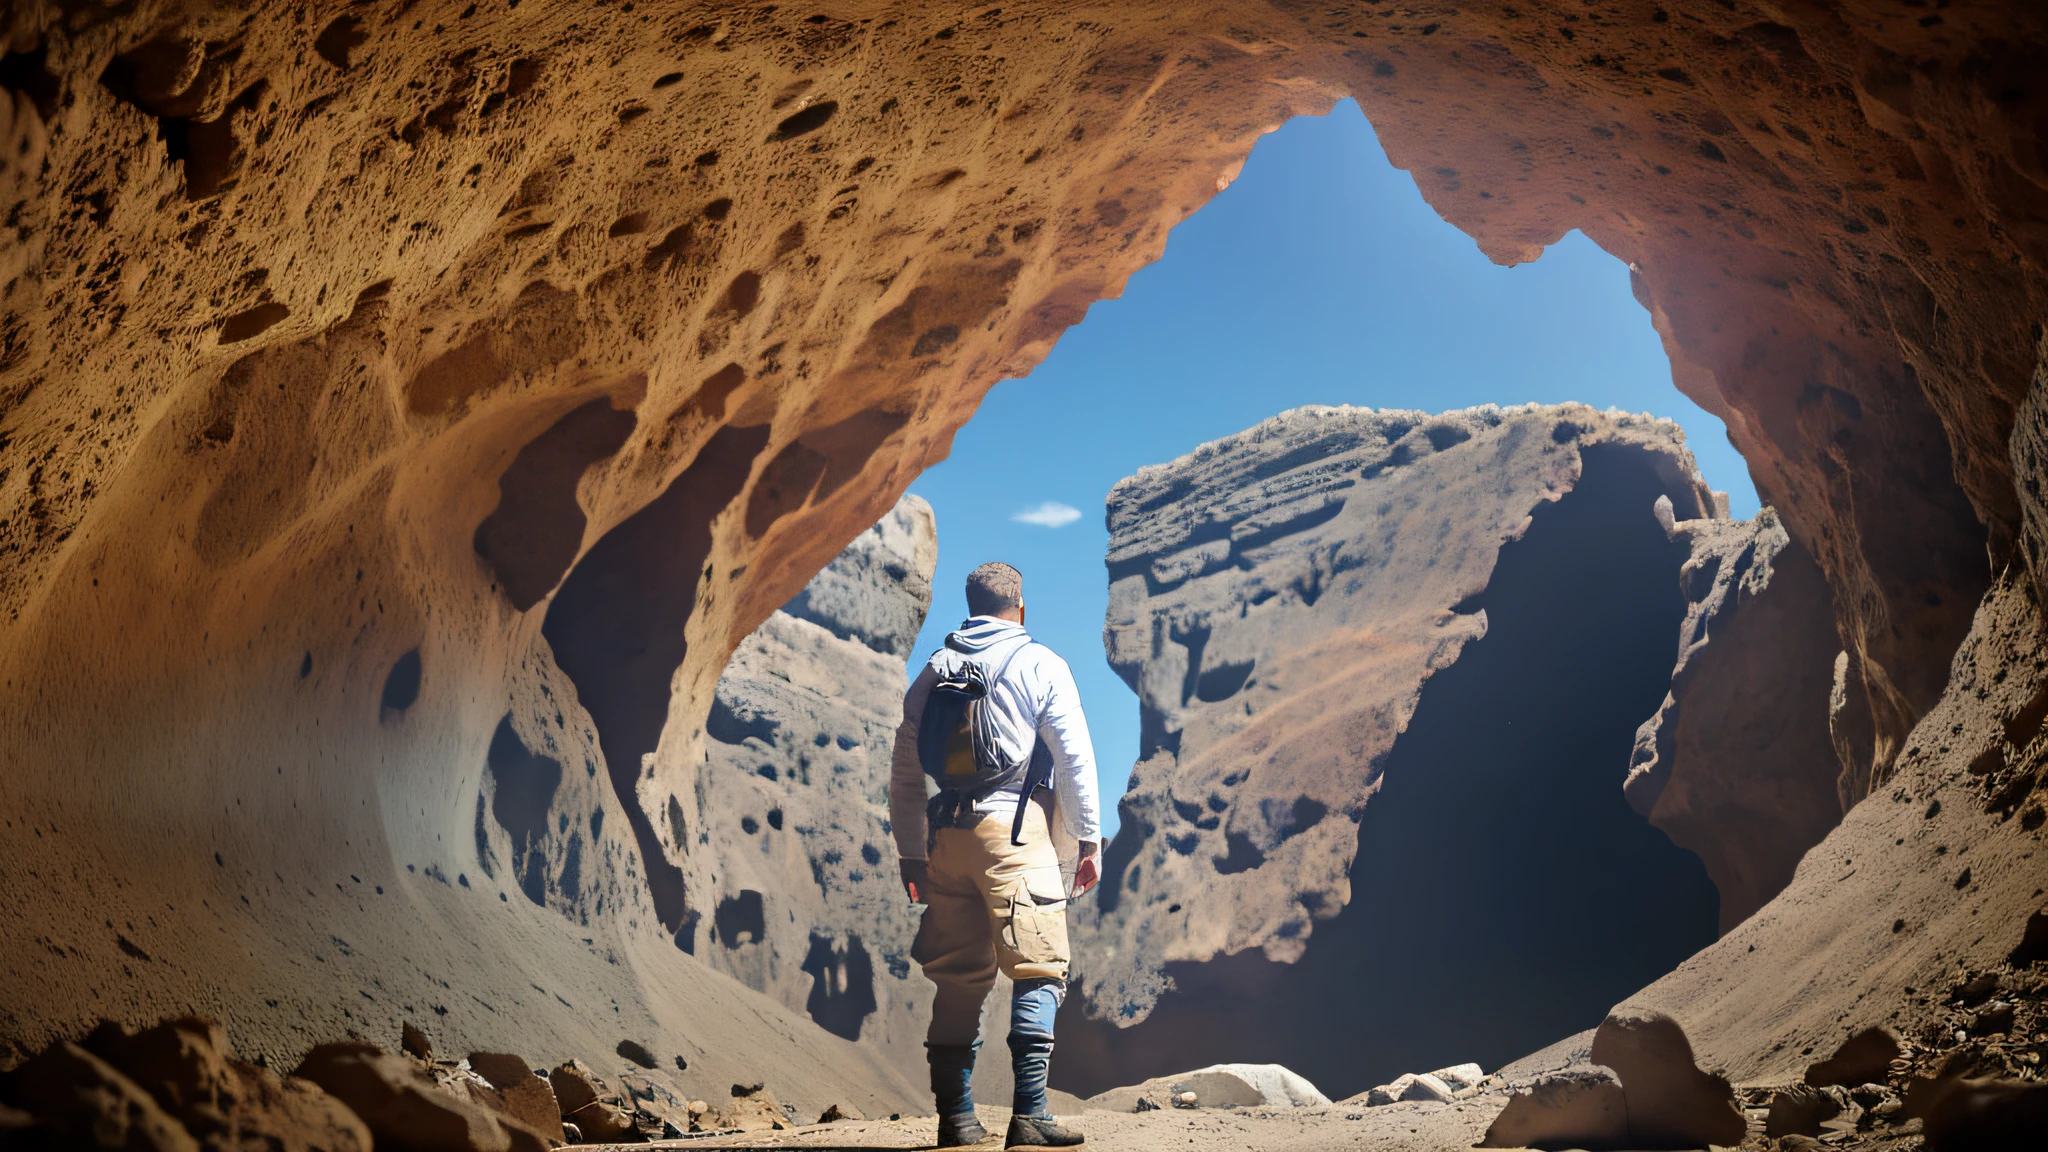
(1051, 514)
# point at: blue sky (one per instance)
(1319, 277)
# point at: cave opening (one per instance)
(1504, 895)
(1568, 327)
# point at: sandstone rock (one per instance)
(77, 1095)
(186, 1066)
(1217, 1086)
(576, 1086)
(602, 1122)
(1575, 1108)
(401, 1106)
(1671, 1103)
(797, 891)
(1273, 823)
(1987, 1115)
(1738, 765)
(1800, 1110)
(1424, 1087)
(1460, 1076)
(528, 1098)
(1865, 1056)
(753, 1109)
(262, 431)
(413, 1042)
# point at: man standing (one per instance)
(990, 820)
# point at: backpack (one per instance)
(958, 749)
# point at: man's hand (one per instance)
(1086, 874)
(915, 873)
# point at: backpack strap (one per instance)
(1035, 777)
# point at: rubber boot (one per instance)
(953, 1090)
(1033, 1008)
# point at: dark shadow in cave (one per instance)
(1504, 895)
(523, 792)
(842, 985)
(616, 627)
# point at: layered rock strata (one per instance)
(792, 872)
(1389, 665)
(1737, 765)
(321, 326)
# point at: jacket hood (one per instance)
(978, 634)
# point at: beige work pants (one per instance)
(991, 904)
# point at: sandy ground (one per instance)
(1398, 1126)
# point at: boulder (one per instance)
(84, 1100)
(602, 1122)
(1460, 1076)
(186, 1066)
(402, 1107)
(1800, 1110)
(1864, 1057)
(1579, 1107)
(838, 1112)
(183, 1064)
(413, 1042)
(576, 1086)
(753, 1109)
(1671, 1103)
(1218, 1086)
(1986, 1115)
(528, 1098)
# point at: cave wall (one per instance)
(1737, 764)
(301, 303)
(785, 825)
(1501, 892)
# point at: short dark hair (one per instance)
(994, 587)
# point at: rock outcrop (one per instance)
(1738, 765)
(792, 874)
(1339, 774)
(343, 347)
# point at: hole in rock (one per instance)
(532, 536)
(1504, 895)
(402, 683)
(740, 920)
(523, 786)
(617, 629)
(842, 985)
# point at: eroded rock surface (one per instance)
(305, 309)
(1738, 765)
(793, 878)
(1385, 661)
(1277, 600)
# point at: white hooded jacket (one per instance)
(1036, 699)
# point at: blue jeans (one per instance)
(1033, 1009)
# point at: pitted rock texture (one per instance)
(793, 880)
(1737, 764)
(305, 306)
(1277, 600)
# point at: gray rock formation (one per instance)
(1390, 667)
(1277, 599)
(791, 871)
(1737, 765)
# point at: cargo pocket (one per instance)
(1037, 931)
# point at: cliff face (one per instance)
(1390, 667)
(1737, 764)
(365, 369)
(1277, 600)
(793, 881)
